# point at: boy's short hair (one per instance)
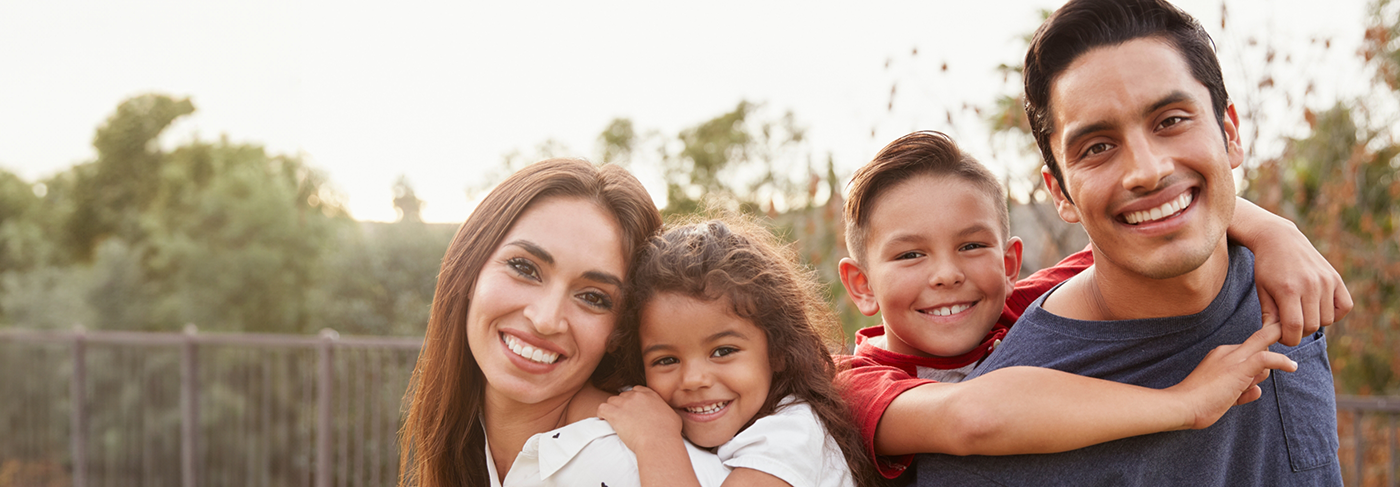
(921, 153)
(1082, 25)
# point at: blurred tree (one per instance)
(406, 202)
(1339, 184)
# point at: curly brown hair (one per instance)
(737, 259)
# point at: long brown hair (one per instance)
(737, 259)
(442, 442)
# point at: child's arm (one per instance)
(1297, 286)
(1020, 410)
(649, 428)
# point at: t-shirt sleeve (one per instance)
(868, 388)
(790, 445)
(1031, 288)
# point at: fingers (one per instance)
(1261, 339)
(1341, 299)
(1249, 395)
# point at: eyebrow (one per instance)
(544, 255)
(535, 250)
(975, 228)
(1176, 96)
(708, 339)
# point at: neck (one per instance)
(1106, 292)
(509, 424)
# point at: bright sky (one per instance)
(440, 91)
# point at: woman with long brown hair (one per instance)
(528, 294)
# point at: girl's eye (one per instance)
(597, 300)
(909, 255)
(524, 268)
(722, 351)
(664, 361)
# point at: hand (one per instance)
(640, 416)
(1298, 288)
(1230, 376)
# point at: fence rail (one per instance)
(233, 409)
(111, 408)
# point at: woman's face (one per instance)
(546, 301)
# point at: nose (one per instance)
(1146, 166)
(547, 314)
(946, 273)
(695, 376)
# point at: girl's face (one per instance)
(707, 363)
(545, 302)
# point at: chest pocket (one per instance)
(1308, 405)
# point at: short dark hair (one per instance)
(920, 153)
(1082, 25)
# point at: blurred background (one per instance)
(221, 222)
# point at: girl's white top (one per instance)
(589, 453)
(791, 444)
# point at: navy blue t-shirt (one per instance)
(1286, 437)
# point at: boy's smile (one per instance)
(938, 266)
(708, 364)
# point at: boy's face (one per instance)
(1143, 158)
(937, 266)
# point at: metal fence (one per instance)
(185, 409)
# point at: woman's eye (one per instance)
(722, 351)
(597, 300)
(663, 361)
(524, 267)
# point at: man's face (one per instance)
(1143, 158)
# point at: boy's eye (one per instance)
(722, 351)
(909, 255)
(663, 361)
(597, 300)
(973, 246)
(524, 268)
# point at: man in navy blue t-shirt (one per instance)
(1128, 106)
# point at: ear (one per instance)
(1068, 212)
(1012, 260)
(1233, 146)
(858, 286)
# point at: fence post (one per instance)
(189, 408)
(323, 407)
(78, 419)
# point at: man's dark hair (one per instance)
(1082, 25)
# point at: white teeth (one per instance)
(1167, 209)
(708, 409)
(950, 310)
(528, 352)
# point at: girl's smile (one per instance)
(707, 363)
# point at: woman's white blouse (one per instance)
(589, 453)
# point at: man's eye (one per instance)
(524, 267)
(1170, 121)
(722, 351)
(1096, 149)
